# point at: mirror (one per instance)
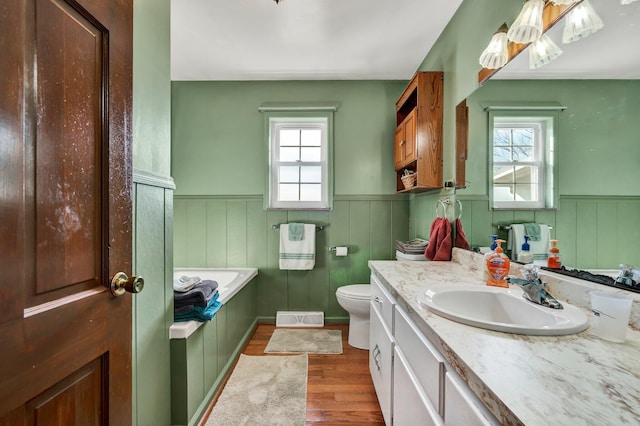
(597, 222)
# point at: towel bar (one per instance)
(508, 227)
(318, 227)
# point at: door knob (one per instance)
(121, 283)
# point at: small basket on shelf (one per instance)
(409, 181)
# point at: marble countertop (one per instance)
(532, 380)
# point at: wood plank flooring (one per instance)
(339, 387)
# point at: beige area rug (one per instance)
(286, 340)
(264, 390)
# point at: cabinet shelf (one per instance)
(418, 137)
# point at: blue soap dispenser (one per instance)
(525, 255)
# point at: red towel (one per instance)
(461, 238)
(439, 247)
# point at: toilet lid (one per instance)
(355, 291)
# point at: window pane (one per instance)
(310, 192)
(311, 137)
(502, 154)
(503, 174)
(288, 192)
(523, 153)
(523, 137)
(501, 137)
(526, 174)
(289, 137)
(310, 174)
(528, 192)
(311, 154)
(289, 154)
(503, 193)
(289, 174)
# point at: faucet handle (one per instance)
(530, 272)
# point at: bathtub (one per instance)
(230, 281)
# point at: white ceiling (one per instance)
(365, 39)
(611, 53)
(304, 39)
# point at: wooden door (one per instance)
(65, 211)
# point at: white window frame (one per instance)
(545, 125)
(277, 118)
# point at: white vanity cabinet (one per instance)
(381, 346)
(414, 383)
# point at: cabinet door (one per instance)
(411, 406)
(410, 140)
(398, 148)
(462, 407)
(380, 361)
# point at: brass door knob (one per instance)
(121, 283)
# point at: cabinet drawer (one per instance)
(423, 358)
(411, 406)
(382, 301)
(381, 362)
(461, 406)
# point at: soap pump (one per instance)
(494, 244)
(553, 261)
(525, 255)
(498, 266)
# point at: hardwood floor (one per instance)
(339, 387)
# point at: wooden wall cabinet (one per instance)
(418, 137)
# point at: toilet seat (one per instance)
(355, 291)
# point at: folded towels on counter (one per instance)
(301, 254)
(199, 295)
(200, 313)
(439, 247)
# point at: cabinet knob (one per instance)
(401, 143)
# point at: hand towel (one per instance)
(200, 313)
(533, 231)
(296, 231)
(298, 255)
(461, 238)
(539, 249)
(185, 283)
(439, 247)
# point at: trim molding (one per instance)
(355, 197)
(152, 179)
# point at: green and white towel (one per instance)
(298, 254)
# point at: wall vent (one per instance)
(299, 319)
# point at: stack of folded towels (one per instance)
(195, 299)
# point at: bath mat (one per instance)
(264, 390)
(285, 340)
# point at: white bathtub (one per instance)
(230, 281)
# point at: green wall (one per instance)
(218, 142)
(219, 170)
(153, 213)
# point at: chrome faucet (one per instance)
(534, 289)
(629, 276)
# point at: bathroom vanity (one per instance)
(425, 366)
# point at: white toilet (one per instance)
(355, 300)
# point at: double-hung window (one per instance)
(522, 160)
(299, 155)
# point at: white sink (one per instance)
(502, 309)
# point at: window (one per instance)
(299, 154)
(522, 160)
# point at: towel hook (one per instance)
(445, 204)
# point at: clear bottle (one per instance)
(553, 261)
(525, 255)
(498, 265)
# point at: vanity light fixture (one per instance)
(581, 21)
(542, 51)
(561, 2)
(496, 54)
(626, 1)
(528, 25)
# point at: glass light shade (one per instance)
(563, 2)
(528, 25)
(626, 1)
(495, 55)
(542, 51)
(582, 20)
